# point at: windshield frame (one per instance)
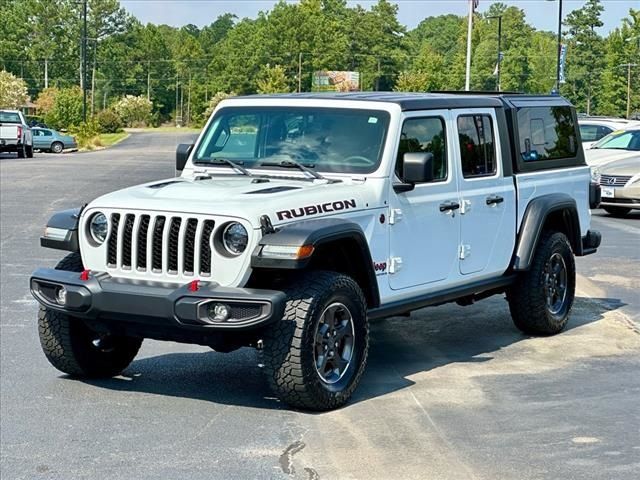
(382, 114)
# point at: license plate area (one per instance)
(608, 192)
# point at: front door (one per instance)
(487, 195)
(424, 236)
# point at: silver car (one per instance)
(620, 186)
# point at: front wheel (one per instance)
(73, 348)
(541, 298)
(617, 211)
(315, 356)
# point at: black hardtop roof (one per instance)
(428, 101)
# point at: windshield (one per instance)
(621, 140)
(323, 139)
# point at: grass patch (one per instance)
(101, 141)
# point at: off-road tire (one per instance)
(57, 147)
(67, 342)
(22, 151)
(527, 296)
(29, 151)
(617, 211)
(289, 344)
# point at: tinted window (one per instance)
(546, 133)
(477, 145)
(47, 133)
(424, 135)
(327, 139)
(603, 132)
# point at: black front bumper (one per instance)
(163, 305)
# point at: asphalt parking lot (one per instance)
(449, 393)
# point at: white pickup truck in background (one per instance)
(15, 134)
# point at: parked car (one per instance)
(52, 141)
(298, 218)
(615, 146)
(593, 129)
(620, 186)
(15, 134)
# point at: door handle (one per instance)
(449, 206)
(494, 199)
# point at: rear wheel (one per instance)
(29, 152)
(315, 356)
(542, 297)
(617, 211)
(57, 147)
(73, 348)
(22, 151)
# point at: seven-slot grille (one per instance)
(614, 180)
(169, 244)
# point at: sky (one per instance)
(542, 14)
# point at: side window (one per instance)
(547, 133)
(36, 133)
(589, 133)
(424, 135)
(46, 133)
(603, 132)
(477, 145)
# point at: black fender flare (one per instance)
(316, 233)
(535, 216)
(68, 220)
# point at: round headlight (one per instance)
(98, 227)
(235, 238)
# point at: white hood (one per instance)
(244, 197)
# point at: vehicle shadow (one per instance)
(400, 347)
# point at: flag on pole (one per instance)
(497, 69)
(563, 58)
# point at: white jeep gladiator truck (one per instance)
(297, 219)
(15, 134)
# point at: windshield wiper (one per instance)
(226, 161)
(293, 164)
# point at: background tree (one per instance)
(272, 80)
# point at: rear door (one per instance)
(488, 204)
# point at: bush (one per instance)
(66, 111)
(46, 100)
(109, 121)
(214, 101)
(87, 134)
(134, 111)
(13, 91)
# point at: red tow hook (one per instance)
(84, 276)
(194, 286)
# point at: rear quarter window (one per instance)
(546, 133)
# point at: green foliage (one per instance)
(178, 69)
(13, 91)
(66, 111)
(134, 111)
(109, 121)
(272, 80)
(86, 134)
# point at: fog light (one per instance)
(61, 296)
(219, 312)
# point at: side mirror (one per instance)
(417, 167)
(182, 155)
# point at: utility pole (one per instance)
(467, 82)
(84, 61)
(46, 73)
(628, 67)
(559, 52)
(300, 72)
(148, 80)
